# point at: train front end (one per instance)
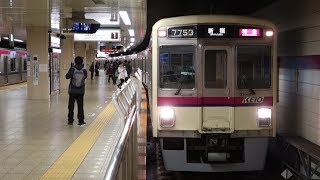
(214, 92)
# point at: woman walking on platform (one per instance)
(122, 74)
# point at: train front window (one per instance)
(253, 67)
(176, 67)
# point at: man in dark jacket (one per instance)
(128, 68)
(76, 90)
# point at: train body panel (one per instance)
(255, 150)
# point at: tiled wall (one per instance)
(298, 40)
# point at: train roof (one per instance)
(205, 19)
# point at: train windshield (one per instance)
(253, 66)
(176, 67)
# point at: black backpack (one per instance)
(78, 78)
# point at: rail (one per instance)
(127, 102)
(123, 162)
(300, 156)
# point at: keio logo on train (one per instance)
(252, 99)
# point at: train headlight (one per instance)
(162, 33)
(269, 33)
(167, 117)
(264, 117)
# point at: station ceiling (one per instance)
(143, 13)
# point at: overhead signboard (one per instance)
(215, 31)
(112, 35)
(55, 41)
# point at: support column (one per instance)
(67, 57)
(37, 45)
(91, 55)
(80, 50)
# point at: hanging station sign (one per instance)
(112, 35)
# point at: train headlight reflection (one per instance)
(167, 117)
(264, 117)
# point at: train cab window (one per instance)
(215, 68)
(253, 66)
(176, 67)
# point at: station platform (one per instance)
(37, 143)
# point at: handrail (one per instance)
(116, 158)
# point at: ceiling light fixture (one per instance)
(132, 40)
(18, 40)
(131, 32)
(125, 18)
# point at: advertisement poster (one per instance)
(35, 70)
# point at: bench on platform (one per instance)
(306, 153)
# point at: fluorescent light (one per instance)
(132, 40)
(131, 32)
(5, 38)
(125, 18)
(131, 44)
(18, 40)
(102, 18)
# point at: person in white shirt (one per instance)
(122, 74)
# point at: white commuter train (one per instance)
(214, 91)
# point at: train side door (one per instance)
(217, 101)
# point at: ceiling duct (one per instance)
(78, 15)
(98, 1)
(114, 12)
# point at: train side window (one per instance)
(215, 68)
(176, 67)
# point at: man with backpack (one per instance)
(77, 75)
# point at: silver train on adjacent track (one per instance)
(13, 66)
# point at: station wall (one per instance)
(299, 65)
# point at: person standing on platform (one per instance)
(97, 67)
(129, 69)
(115, 71)
(110, 73)
(122, 74)
(77, 75)
(91, 69)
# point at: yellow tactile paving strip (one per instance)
(70, 160)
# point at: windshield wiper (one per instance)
(180, 85)
(251, 91)
(184, 75)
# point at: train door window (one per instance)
(253, 66)
(13, 65)
(24, 64)
(215, 68)
(176, 67)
